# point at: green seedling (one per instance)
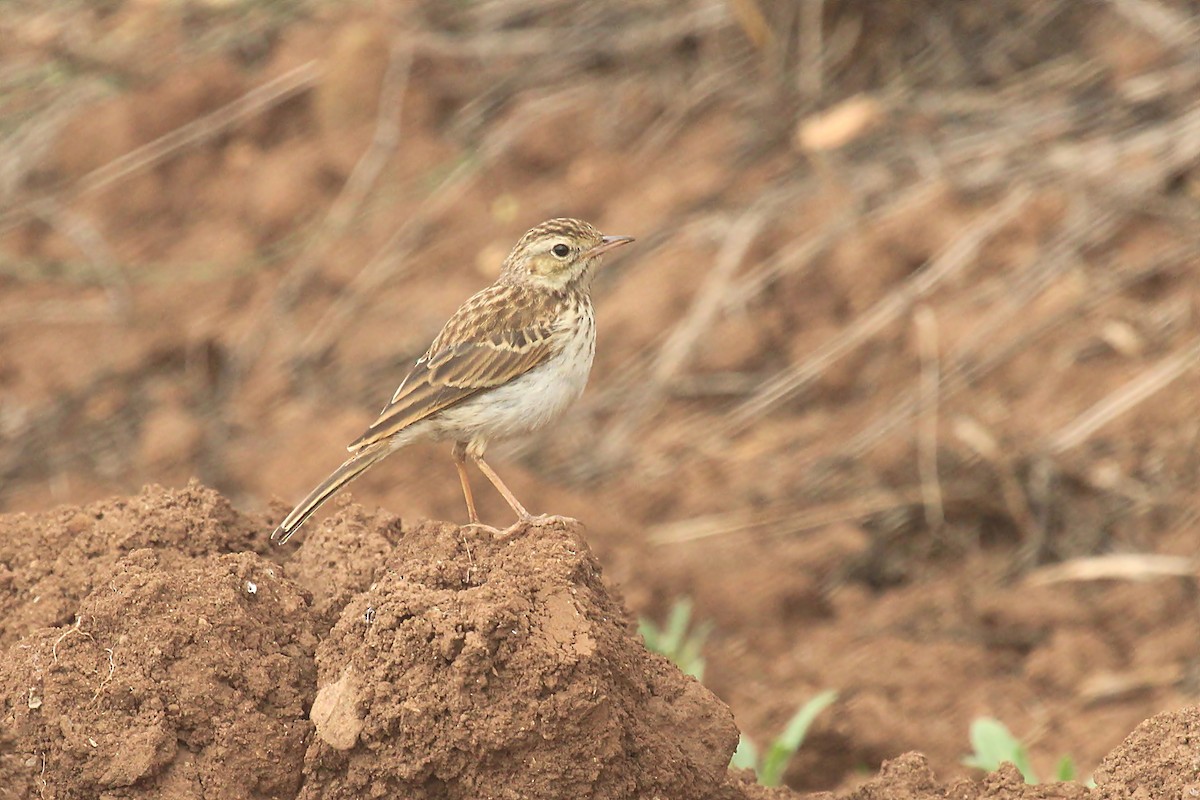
(994, 744)
(678, 639)
(779, 753)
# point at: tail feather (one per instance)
(350, 469)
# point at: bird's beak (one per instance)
(607, 243)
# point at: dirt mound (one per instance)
(49, 562)
(910, 778)
(451, 664)
(1161, 758)
(460, 665)
(483, 667)
(1158, 760)
(177, 680)
(912, 315)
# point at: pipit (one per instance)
(509, 361)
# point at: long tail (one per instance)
(350, 469)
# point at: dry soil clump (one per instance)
(457, 665)
(175, 681)
(146, 660)
(485, 667)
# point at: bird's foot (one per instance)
(552, 519)
(518, 526)
(479, 526)
(539, 521)
(527, 521)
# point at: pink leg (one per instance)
(460, 463)
(504, 491)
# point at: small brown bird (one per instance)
(510, 360)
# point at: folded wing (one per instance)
(495, 337)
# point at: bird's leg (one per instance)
(460, 463)
(504, 491)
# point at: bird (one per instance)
(511, 359)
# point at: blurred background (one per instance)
(899, 383)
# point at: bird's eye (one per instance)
(560, 250)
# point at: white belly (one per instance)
(525, 403)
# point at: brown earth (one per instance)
(451, 664)
(908, 341)
(436, 662)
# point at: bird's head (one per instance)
(559, 254)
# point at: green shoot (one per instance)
(681, 641)
(773, 764)
(678, 639)
(1065, 771)
(994, 744)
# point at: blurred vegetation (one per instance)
(995, 745)
(772, 763)
(678, 639)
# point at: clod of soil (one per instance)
(458, 664)
(450, 664)
(174, 681)
(1161, 758)
(502, 667)
(50, 562)
(910, 778)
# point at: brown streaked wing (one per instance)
(500, 334)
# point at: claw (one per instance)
(479, 526)
(517, 527)
(544, 519)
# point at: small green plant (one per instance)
(678, 639)
(994, 744)
(774, 762)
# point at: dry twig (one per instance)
(927, 435)
(362, 178)
(1124, 399)
(953, 259)
(1115, 566)
(270, 94)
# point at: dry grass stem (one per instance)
(112, 668)
(885, 312)
(927, 432)
(1115, 566)
(71, 631)
(94, 247)
(1103, 687)
(1124, 399)
(362, 178)
(1173, 28)
(571, 44)
(792, 259)
(781, 522)
(996, 338)
(22, 150)
(684, 338)
(56, 312)
(389, 259)
(254, 102)
(811, 80)
(754, 25)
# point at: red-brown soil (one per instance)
(459, 666)
(422, 661)
(187, 669)
(903, 332)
